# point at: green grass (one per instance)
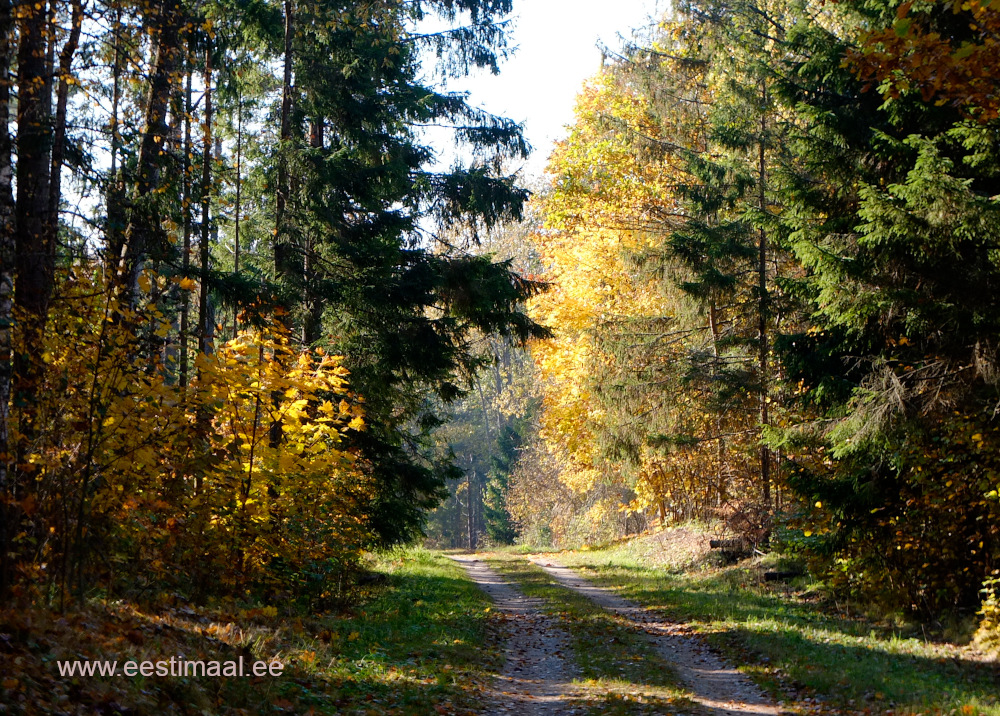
(621, 672)
(415, 643)
(419, 643)
(418, 646)
(784, 634)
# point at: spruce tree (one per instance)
(890, 214)
(357, 268)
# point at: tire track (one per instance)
(718, 687)
(538, 672)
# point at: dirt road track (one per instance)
(719, 688)
(537, 677)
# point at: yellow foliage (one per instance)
(193, 483)
(988, 634)
(602, 197)
(611, 212)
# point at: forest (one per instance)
(236, 287)
(772, 279)
(262, 330)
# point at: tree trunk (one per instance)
(204, 311)
(283, 263)
(7, 253)
(143, 226)
(186, 218)
(763, 307)
(313, 314)
(115, 227)
(722, 479)
(59, 130)
(34, 152)
(33, 249)
(486, 416)
(33, 269)
(470, 477)
(239, 204)
(456, 537)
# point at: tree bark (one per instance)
(204, 310)
(313, 305)
(7, 253)
(34, 151)
(143, 226)
(59, 129)
(283, 264)
(239, 203)
(471, 499)
(186, 218)
(722, 481)
(115, 227)
(34, 252)
(33, 269)
(763, 307)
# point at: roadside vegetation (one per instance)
(795, 636)
(413, 643)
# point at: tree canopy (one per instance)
(771, 238)
(229, 316)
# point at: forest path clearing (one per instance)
(718, 687)
(537, 676)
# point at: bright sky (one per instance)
(557, 49)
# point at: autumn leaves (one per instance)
(189, 482)
(771, 236)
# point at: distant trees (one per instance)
(487, 429)
(212, 199)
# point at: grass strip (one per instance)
(419, 647)
(414, 643)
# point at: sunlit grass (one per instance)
(415, 643)
(420, 643)
(787, 635)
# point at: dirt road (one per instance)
(539, 671)
(717, 686)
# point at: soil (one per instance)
(537, 679)
(538, 673)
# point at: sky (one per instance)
(556, 45)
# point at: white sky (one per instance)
(556, 45)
